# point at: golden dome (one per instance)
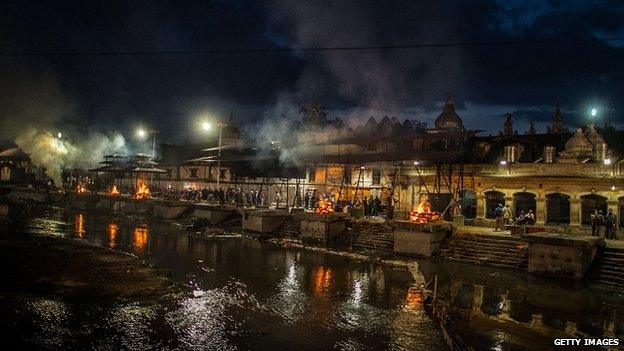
(578, 143)
(449, 119)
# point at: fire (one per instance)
(422, 213)
(324, 205)
(80, 188)
(143, 191)
(114, 191)
(414, 298)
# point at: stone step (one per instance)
(488, 238)
(492, 258)
(491, 244)
(482, 249)
(487, 263)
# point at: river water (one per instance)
(245, 295)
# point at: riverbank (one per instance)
(65, 268)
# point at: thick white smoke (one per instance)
(55, 154)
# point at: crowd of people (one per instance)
(608, 221)
(503, 217)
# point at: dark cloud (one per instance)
(168, 91)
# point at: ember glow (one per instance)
(143, 191)
(81, 188)
(324, 205)
(114, 191)
(422, 213)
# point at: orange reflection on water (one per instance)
(322, 279)
(140, 239)
(79, 225)
(112, 234)
(414, 298)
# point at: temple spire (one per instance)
(557, 124)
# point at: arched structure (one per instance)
(469, 204)
(557, 208)
(492, 199)
(590, 203)
(523, 202)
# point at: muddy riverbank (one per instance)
(66, 268)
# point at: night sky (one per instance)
(171, 92)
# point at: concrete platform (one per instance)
(170, 209)
(322, 228)
(263, 221)
(419, 239)
(561, 256)
(214, 214)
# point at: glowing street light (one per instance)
(59, 135)
(141, 133)
(503, 163)
(593, 112)
(206, 126)
(606, 161)
(416, 163)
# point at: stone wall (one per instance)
(372, 237)
(290, 228)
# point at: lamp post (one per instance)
(142, 133)
(207, 126)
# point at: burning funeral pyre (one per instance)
(324, 205)
(142, 191)
(81, 188)
(113, 192)
(422, 213)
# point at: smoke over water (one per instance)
(55, 154)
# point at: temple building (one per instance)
(561, 176)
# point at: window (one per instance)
(376, 176)
(557, 208)
(311, 174)
(492, 199)
(193, 172)
(347, 175)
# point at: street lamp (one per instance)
(593, 112)
(206, 126)
(606, 161)
(142, 133)
(59, 135)
(503, 163)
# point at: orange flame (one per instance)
(80, 188)
(143, 191)
(114, 191)
(324, 206)
(422, 213)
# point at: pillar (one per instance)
(480, 206)
(540, 210)
(575, 212)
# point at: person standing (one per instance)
(377, 206)
(596, 223)
(390, 205)
(506, 215)
(366, 208)
(609, 222)
(498, 216)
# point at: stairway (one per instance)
(372, 237)
(610, 267)
(488, 250)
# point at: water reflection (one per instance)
(140, 237)
(112, 234)
(79, 225)
(290, 302)
(322, 281)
